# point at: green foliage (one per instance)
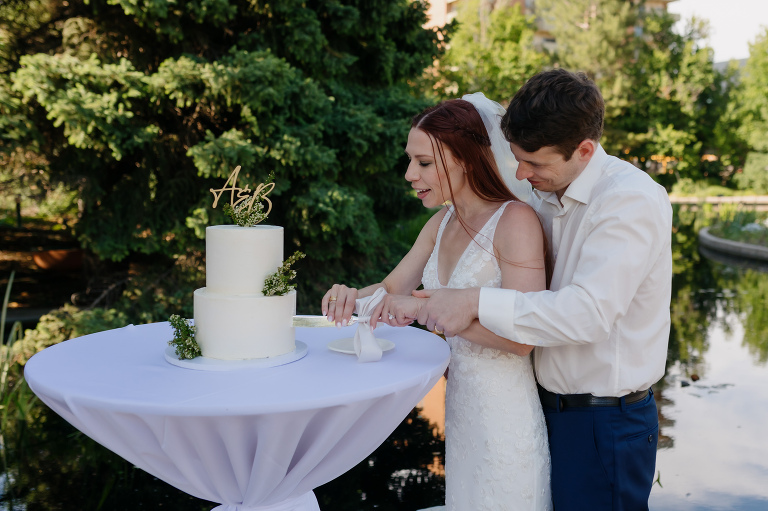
(279, 282)
(704, 188)
(245, 216)
(594, 36)
(751, 299)
(750, 115)
(66, 323)
(666, 105)
(744, 225)
(752, 103)
(11, 380)
(492, 51)
(183, 341)
(142, 106)
(755, 174)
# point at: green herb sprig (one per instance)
(279, 282)
(241, 215)
(251, 212)
(184, 338)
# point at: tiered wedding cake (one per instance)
(233, 319)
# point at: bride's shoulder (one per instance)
(519, 236)
(518, 210)
(519, 219)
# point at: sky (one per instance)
(733, 23)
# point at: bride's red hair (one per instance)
(457, 125)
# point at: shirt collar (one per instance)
(581, 187)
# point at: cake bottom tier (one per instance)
(241, 327)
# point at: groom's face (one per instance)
(547, 170)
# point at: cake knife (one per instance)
(317, 321)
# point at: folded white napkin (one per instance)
(366, 346)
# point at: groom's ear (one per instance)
(586, 150)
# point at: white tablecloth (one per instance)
(259, 438)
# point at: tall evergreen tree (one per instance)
(142, 106)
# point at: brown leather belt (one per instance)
(550, 400)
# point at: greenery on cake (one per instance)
(184, 338)
(251, 212)
(279, 282)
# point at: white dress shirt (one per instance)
(603, 327)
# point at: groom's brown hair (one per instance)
(556, 108)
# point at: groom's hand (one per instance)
(448, 311)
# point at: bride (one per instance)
(496, 452)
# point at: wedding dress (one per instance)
(496, 451)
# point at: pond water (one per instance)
(713, 452)
(716, 454)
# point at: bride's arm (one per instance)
(402, 280)
(519, 243)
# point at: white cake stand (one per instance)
(214, 364)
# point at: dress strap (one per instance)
(443, 223)
(486, 234)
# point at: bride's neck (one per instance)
(473, 207)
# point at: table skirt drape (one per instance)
(250, 440)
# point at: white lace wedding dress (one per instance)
(496, 452)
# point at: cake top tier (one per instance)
(239, 259)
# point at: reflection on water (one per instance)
(713, 452)
(717, 454)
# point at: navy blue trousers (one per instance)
(603, 458)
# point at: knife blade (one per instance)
(317, 321)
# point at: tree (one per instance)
(142, 106)
(661, 92)
(679, 88)
(492, 51)
(751, 110)
(598, 38)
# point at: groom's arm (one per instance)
(519, 249)
(448, 310)
(626, 239)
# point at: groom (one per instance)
(601, 330)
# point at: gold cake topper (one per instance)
(245, 208)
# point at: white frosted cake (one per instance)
(233, 319)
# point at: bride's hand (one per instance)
(339, 304)
(397, 310)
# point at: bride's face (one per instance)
(426, 172)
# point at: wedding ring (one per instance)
(390, 316)
(438, 332)
(332, 299)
